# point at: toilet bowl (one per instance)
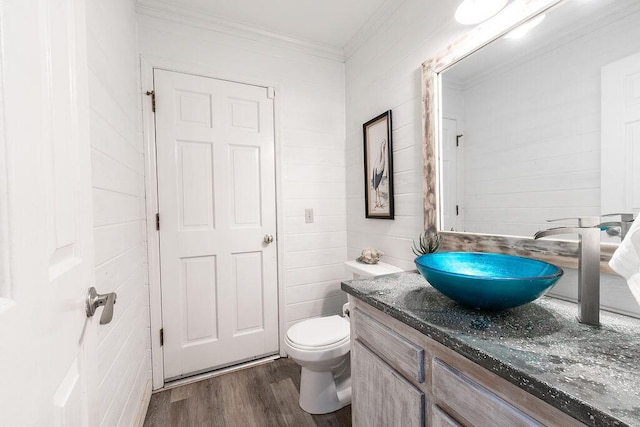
(321, 347)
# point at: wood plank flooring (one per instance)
(263, 395)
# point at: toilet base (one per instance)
(324, 392)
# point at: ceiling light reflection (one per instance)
(523, 29)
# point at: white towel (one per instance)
(626, 259)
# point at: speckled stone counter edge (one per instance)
(568, 404)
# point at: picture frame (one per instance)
(378, 167)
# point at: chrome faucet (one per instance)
(626, 219)
(588, 230)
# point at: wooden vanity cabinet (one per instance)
(401, 377)
(385, 397)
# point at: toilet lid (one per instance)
(319, 332)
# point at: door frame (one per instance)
(147, 65)
(459, 173)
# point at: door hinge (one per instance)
(153, 99)
(157, 222)
(457, 210)
(457, 136)
(271, 93)
(162, 336)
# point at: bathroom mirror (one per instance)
(527, 129)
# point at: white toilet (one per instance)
(321, 347)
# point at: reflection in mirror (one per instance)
(544, 126)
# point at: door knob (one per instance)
(95, 300)
(268, 238)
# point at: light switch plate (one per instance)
(308, 215)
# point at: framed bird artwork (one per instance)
(378, 167)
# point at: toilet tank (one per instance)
(362, 270)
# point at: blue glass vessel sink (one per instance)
(488, 281)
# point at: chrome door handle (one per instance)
(268, 238)
(95, 300)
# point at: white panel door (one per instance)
(451, 177)
(620, 147)
(47, 344)
(216, 196)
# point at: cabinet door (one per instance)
(439, 418)
(381, 397)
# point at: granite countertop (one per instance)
(592, 374)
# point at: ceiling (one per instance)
(330, 23)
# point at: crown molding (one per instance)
(207, 21)
(377, 20)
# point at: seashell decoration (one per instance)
(370, 256)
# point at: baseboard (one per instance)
(144, 405)
(211, 374)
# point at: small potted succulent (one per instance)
(428, 243)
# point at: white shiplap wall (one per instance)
(309, 136)
(532, 134)
(385, 74)
(118, 202)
